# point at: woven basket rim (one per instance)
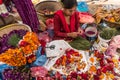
(40, 10)
(111, 22)
(55, 2)
(46, 1)
(8, 28)
(15, 24)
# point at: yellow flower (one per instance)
(91, 59)
(111, 76)
(101, 76)
(93, 69)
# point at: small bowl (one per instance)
(91, 31)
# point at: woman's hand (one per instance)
(72, 34)
(75, 34)
(80, 31)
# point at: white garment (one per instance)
(59, 48)
(3, 9)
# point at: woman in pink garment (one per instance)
(66, 22)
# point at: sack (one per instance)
(6, 20)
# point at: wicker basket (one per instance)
(52, 6)
(111, 24)
(7, 29)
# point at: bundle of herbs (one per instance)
(108, 33)
(80, 43)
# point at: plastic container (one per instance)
(82, 6)
(100, 39)
(91, 33)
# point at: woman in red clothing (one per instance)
(66, 22)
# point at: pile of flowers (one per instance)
(17, 73)
(70, 61)
(113, 46)
(101, 67)
(11, 39)
(68, 67)
(28, 45)
(25, 53)
(13, 57)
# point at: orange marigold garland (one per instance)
(13, 57)
(29, 45)
(24, 53)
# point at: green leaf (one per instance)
(80, 43)
(13, 40)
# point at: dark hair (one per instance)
(68, 4)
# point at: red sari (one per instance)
(61, 28)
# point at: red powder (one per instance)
(90, 32)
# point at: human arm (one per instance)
(79, 29)
(59, 32)
(58, 27)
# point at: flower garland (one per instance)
(25, 53)
(29, 45)
(13, 57)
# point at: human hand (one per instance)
(80, 32)
(72, 34)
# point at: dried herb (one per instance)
(108, 33)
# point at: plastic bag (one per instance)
(44, 36)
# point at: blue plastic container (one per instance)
(82, 6)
